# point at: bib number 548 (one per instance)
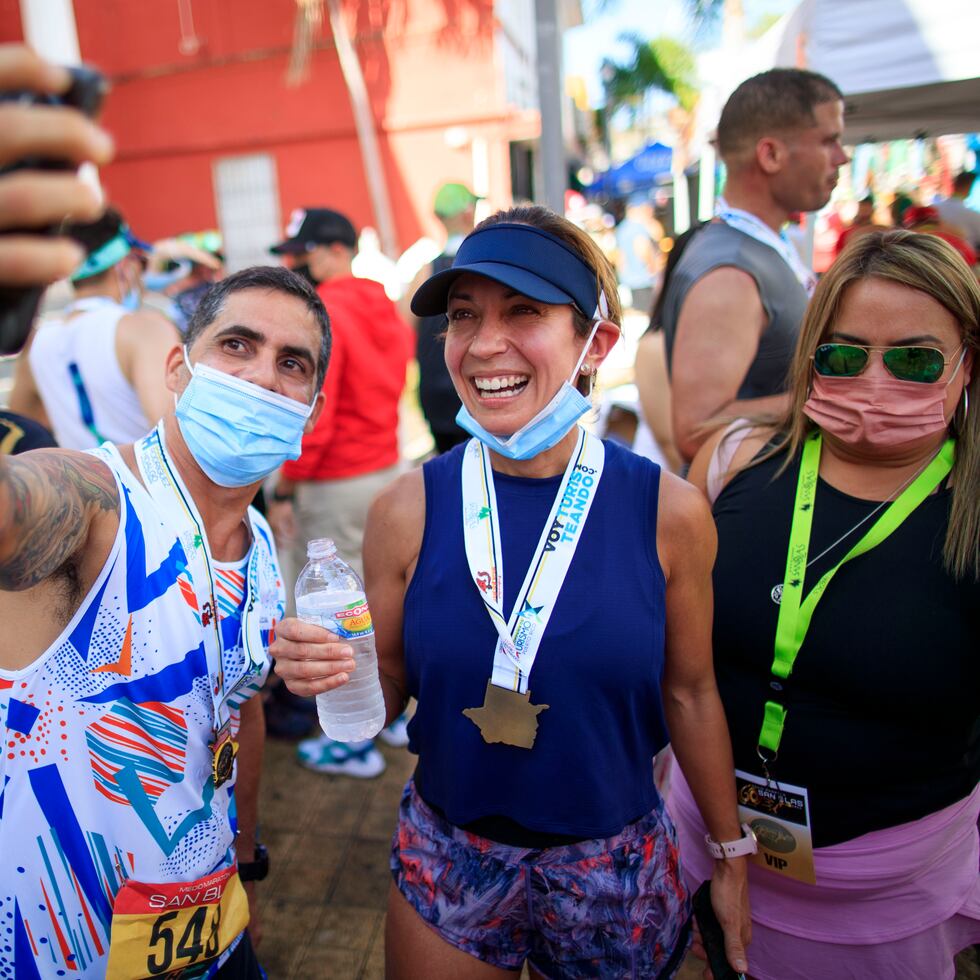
(198, 939)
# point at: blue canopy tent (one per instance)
(639, 173)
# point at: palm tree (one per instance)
(665, 65)
(662, 64)
(309, 21)
(705, 14)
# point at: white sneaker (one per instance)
(396, 734)
(358, 759)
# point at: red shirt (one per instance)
(357, 432)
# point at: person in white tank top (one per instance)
(95, 371)
(146, 590)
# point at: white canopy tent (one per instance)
(907, 68)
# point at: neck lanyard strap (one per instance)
(180, 513)
(519, 637)
(751, 225)
(795, 611)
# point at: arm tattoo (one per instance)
(48, 500)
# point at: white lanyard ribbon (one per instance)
(519, 638)
(165, 487)
(749, 224)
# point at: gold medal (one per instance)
(223, 751)
(507, 716)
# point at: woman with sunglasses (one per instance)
(547, 678)
(847, 617)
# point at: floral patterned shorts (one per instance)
(605, 908)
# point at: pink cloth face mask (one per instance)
(878, 413)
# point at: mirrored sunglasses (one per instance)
(923, 365)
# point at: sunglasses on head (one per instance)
(921, 364)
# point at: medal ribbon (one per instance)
(795, 611)
(168, 492)
(749, 224)
(520, 636)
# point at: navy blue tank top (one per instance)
(599, 666)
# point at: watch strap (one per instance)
(257, 869)
(722, 850)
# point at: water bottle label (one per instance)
(353, 622)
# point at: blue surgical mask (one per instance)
(237, 431)
(157, 282)
(546, 429)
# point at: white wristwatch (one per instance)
(722, 850)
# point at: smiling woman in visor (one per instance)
(847, 614)
(546, 597)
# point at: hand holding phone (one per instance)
(712, 935)
(44, 135)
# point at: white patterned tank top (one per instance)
(105, 772)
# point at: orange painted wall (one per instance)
(429, 65)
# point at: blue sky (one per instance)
(586, 46)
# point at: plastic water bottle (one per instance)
(330, 594)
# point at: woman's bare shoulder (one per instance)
(401, 505)
(681, 504)
(395, 525)
(746, 438)
(685, 527)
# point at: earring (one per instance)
(966, 403)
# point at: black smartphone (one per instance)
(18, 305)
(712, 937)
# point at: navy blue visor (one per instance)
(532, 262)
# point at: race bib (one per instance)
(175, 929)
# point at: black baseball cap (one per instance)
(309, 227)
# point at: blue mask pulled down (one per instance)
(546, 429)
(537, 264)
(237, 431)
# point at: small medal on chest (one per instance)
(506, 716)
(223, 751)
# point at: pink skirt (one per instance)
(898, 903)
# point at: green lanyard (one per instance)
(795, 611)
